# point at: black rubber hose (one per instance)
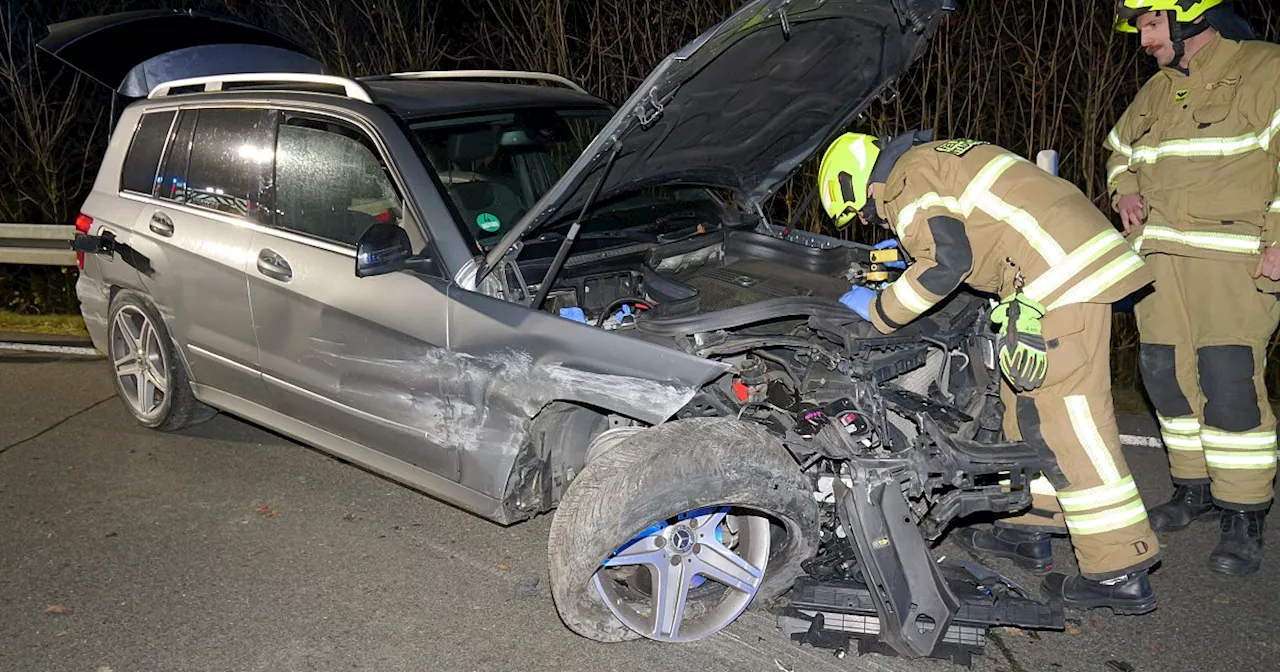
(740, 316)
(618, 304)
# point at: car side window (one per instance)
(171, 183)
(330, 182)
(230, 165)
(143, 158)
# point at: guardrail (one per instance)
(41, 244)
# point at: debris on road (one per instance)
(838, 612)
(57, 610)
(267, 511)
(528, 587)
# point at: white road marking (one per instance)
(59, 349)
(1146, 441)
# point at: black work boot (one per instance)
(1190, 502)
(1239, 551)
(1128, 595)
(1031, 550)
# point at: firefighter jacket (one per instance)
(1203, 150)
(971, 212)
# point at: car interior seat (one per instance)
(468, 151)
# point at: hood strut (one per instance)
(549, 279)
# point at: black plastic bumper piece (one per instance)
(912, 601)
(831, 614)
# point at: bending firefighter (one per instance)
(1193, 174)
(971, 212)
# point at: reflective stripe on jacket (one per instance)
(1203, 150)
(978, 214)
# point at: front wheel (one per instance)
(674, 531)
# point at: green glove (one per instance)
(1023, 358)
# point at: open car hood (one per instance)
(132, 52)
(746, 103)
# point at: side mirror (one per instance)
(383, 248)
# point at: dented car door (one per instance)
(352, 356)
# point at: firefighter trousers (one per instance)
(1099, 505)
(1204, 330)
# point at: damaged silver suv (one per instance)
(520, 300)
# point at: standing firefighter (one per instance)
(1193, 174)
(971, 212)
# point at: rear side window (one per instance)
(171, 184)
(231, 160)
(139, 174)
(330, 183)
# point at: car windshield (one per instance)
(496, 165)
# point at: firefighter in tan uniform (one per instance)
(970, 212)
(1193, 173)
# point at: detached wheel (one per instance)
(674, 531)
(150, 378)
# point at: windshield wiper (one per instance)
(549, 236)
(549, 279)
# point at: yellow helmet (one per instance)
(1185, 11)
(844, 175)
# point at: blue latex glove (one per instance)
(859, 301)
(621, 314)
(891, 242)
(574, 314)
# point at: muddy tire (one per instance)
(663, 472)
(137, 335)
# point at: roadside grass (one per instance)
(59, 325)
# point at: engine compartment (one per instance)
(726, 269)
(766, 301)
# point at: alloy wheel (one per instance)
(687, 578)
(139, 362)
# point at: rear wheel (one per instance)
(674, 531)
(150, 379)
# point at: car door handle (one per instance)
(161, 224)
(273, 265)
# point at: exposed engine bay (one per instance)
(900, 433)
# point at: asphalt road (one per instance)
(227, 547)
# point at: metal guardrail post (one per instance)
(39, 244)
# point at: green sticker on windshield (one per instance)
(488, 222)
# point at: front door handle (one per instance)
(161, 224)
(273, 265)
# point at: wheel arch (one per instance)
(555, 450)
(114, 290)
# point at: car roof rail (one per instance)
(350, 87)
(484, 74)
